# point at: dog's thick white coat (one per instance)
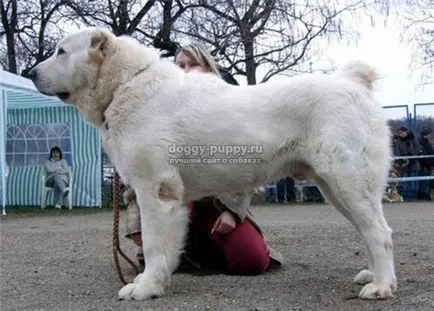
(327, 128)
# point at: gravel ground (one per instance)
(65, 262)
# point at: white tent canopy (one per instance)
(8, 81)
(3, 170)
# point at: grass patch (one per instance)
(22, 211)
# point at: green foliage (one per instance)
(21, 211)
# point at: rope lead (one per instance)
(116, 246)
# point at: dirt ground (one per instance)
(65, 263)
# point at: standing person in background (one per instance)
(271, 192)
(290, 189)
(285, 190)
(407, 145)
(426, 164)
(281, 190)
(57, 175)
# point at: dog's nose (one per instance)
(33, 74)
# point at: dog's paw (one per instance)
(376, 291)
(126, 292)
(140, 291)
(364, 277)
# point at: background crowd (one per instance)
(405, 143)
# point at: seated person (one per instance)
(57, 175)
(218, 239)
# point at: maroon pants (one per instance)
(243, 251)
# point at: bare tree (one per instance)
(9, 19)
(275, 36)
(150, 21)
(160, 23)
(31, 30)
(121, 16)
(247, 36)
(33, 27)
(418, 25)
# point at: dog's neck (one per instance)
(105, 118)
(113, 74)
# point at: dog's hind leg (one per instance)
(363, 208)
(364, 276)
(378, 237)
(164, 224)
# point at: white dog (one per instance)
(176, 137)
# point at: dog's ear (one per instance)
(97, 45)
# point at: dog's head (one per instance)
(87, 68)
(71, 73)
(73, 65)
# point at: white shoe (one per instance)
(58, 206)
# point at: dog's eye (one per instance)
(61, 51)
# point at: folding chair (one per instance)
(46, 190)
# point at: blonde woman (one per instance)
(195, 56)
(219, 237)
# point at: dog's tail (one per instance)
(360, 72)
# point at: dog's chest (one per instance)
(112, 146)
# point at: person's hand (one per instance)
(225, 224)
(137, 238)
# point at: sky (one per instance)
(381, 47)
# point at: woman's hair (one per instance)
(55, 148)
(199, 54)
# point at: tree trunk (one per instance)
(10, 28)
(12, 60)
(250, 61)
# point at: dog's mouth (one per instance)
(63, 95)
(45, 93)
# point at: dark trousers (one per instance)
(424, 185)
(271, 193)
(409, 189)
(286, 190)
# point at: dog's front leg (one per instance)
(164, 225)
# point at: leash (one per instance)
(116, 245)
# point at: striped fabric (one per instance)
(2, 148)
(25, 183)
(25, 106)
